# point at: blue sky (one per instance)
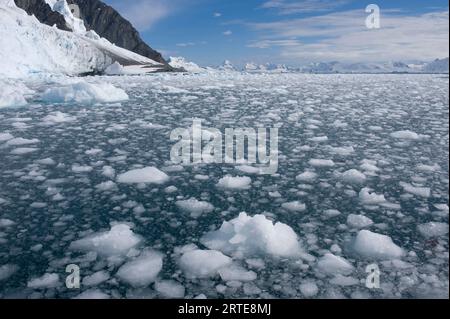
(293, 32)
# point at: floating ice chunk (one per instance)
(58, 117)
(295, 206)
(83, 92)
(46, 281)
(108, 171)
(203, 263)
(321, 163)
(93, 294)
(234, 183)
(343, 151)
(332, 265)
(195, 207)
(343, 281)
(106, 186)
(236, 273)
(418, 191)
(309, 289)
(353, 176)
(115, 69)
(147, 175)
(96, 278)
(23, 150)
(118, 241)
(428, 168)
(81, 169)
(11, 96)
(406, 135)
(5, 137)
(319, 139)
(6, 222)
(248, 169)
(358, 221)
(332, 213)
(19, 141)
(170, 289)
(368, 198)
(143, 270)
(371, 245)
(433, 229)
(93, 151)
(247, 236)
(46, 161)
(307, 177)
(7, 271)
(442, 207)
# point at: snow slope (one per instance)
(28, 47)
(182, 63)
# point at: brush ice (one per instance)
(332, 265)
(195, 207)
(46, 281)
(83, 92)
(234, 183)
(247, 236)
(433, 229)
(147, 175)
(203, 263)
(375, 246)
(143, 270)
(118, 241)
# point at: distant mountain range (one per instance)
(438, 66)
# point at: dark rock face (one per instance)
(109, 24)
(97, 16)
(42, 11)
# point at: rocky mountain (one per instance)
(42, 11)
(98, 17)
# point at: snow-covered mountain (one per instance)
(268, 67)
(437, 66)
(28, 46)
(227, 66)
(182, 64)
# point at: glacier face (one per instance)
(365, 157)
(29, 47)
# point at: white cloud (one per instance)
(217, 14)
(187, 44)
(305, 6)
(343, 36)
(228, 33)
